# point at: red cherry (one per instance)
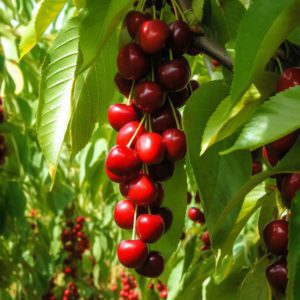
(284, 144)
(205, 238)
(150, 148)
(270, 156)
(291, 185)
(256, 167)
(174, 75)
(162, 171)
(150, 228)
(123, 161)
(153, 266)
(134, 20)
(132, 62)
(166, 214)
(127, 131)
(163, 294)
(142, 190)
(196, 215)
(215, 63)
(152, 36)
(180, 37)
(289, 78)
(124, 214)
(179, 98)
(276, 236)
(132, 253)
(120, 114)
(277, 275)
(124, 186)
(160, 196)
(124, 85)
(80, 219)
(175, 143)
(116, 178)
(149, 96)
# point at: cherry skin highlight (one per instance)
(289, 78)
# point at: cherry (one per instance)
(150, 148)
(153, 35)
(166, 214)
(120, 114)
(163, 119)
(149, 96)
(277, 275)
(132, 253)
(132, 62)
(116, 178)
(276, 236)
(188, 197)
(124, 214)
(174, 75)
(194, 85)
(142, 190)
(160, 196)
(179, 98)
(124, 186)
(270, 156)
(215, 63)
(124, 85)
(134, 20)
(126, 133)
(175, 143)
(163, 294)
(80, 219)
(289, 78)
(284, 144)
(123, 161)
(162, 171)
(197, 197)
(150, 228)
(153, 266)
(256, 167)
(180, 37)
(196, 215)
(205, 238)
(193, 51)
(291, 185)
(2, 117)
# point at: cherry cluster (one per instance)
(154, 76)
(161, 288)
(3, 149)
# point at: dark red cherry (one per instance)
(124, 85)
(150, 148)
(289, 78)
(132, 253)
(174, 75)
(205, 238)
(153, 266)
(180, 37)
(132, 62)
(193, 51)
(127, 132)
(160, 196)
(215, 63)
(179, 98)
(291, 185)
(166, 214)
(134, 20)
(162, 171)
(2, 117)
(197, 197)
(270, 156)
(163, 119)
(123, 187)
(188, 197)
(277, 275)
(276, 236)
(142, 190)
(194, 84)
(124, 214)
(116, 178)
(175, 143)
(150, 228)
(196, 215)
(256, 167)
(149, 96)
(120, 114)
(284, 144)
(153, 35)
(123, 161)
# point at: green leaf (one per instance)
(97, 27)
(15, 201)
(255, 284)
(198, 8)
(94, 96)
(272, 120)
(293, 291)
(294, 37)
(55, 93)
(46, 12)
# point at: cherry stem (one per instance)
(149, 210)
(171, 54)
(130, 93)
(141, 5)
(279, 65)
(136, 132)
(174, 113)
(154, 12)
(180, 11)
(175, 8)
(134, 222)
(149, 123)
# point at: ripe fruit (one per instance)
(196, 215)
(174, 75)
(150, 148)
(162, 171)
(152, 36)
(205, 238)
(277, 275)
(115, 178)
(215, 63)
(124, 214)
(291, 185)
(180, 37)
(160, 196)
(166, 214)
(120, 114)
(132, 62)
(132, 253)
(124, 85)
(289, 78)
(134, 19)
(153, 266)
(175, 143)
(142, 190)
(256, 167)
(149, 96)
(179, 98)
(284, 144)
(127, 132)
(194, 85)
(276, 237)
(123, 161)
(270, 156)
